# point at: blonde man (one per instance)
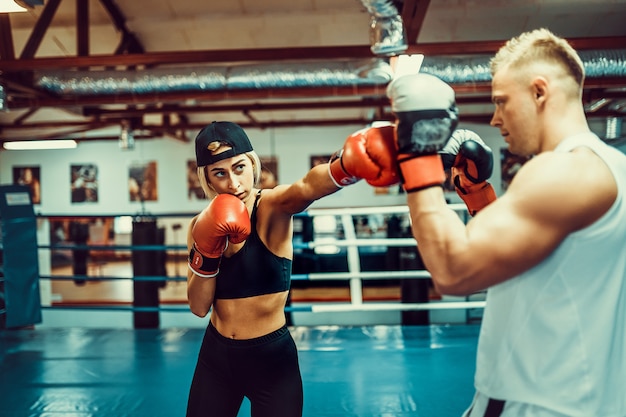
(549, 252)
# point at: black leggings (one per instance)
(263, 369)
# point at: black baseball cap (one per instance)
(226, 132)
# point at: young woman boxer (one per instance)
(240, 266)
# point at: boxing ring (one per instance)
(364, 369)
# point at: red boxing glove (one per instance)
(368, 154)
(476, 195)
(225, 219)
(470, 162)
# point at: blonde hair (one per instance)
(539, 45)
(209, 191)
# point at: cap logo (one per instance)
(227, 133)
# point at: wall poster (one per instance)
(142, 181)
(194, 189)
(510, 164)
(319, 159)
(84, 183)
(269, 172)
(29, 176)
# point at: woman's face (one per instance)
(233, 175)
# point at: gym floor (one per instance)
(363, 371)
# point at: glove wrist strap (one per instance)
(338, 173)
(420, 172)
(478, 197)
(203, 266)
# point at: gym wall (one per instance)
(293, 147)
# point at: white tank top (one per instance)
(555, 336)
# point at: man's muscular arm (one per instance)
(549, 198)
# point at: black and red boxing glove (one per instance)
(470, 162)
(426, 114)
(368, 154)
(224, 219)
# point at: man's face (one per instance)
(515, 113)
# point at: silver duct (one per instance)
(212, 78)
(375, 71)
(387, 34)
(459, 70)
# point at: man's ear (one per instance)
(540, 89)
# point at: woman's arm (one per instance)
(200, 291)
(295, 198)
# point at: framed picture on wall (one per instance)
(84, 183)
(510, 164)
(142, 181)
(319, 159)
(269, 171)
(29, 176)
(194, 189)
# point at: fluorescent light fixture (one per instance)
(39, 144)
(10, 6)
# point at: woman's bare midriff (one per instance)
(247, 318)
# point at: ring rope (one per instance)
(325, 308)
(354, 275)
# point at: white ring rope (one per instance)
(443, 305)
(460, 207)
(317, 276)
(355, 276)
(390, 241)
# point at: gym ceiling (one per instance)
(165, 68)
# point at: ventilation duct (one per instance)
(375, 71)
(475, 68)
(280, 75)
(387, 34)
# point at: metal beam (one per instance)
(6, 38)
(82, 27)
(413, 14)
(129, 42)
(34, 40)
(278, 54)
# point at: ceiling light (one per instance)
(9, 6)
(40, 144)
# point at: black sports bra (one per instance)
(253, 270)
